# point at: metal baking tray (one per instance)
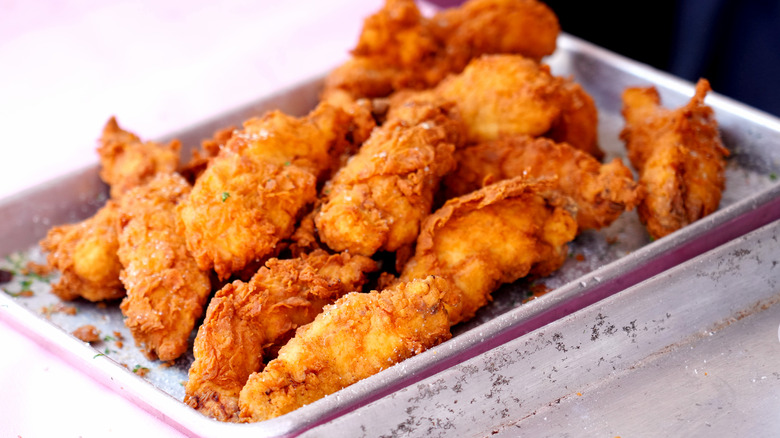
(602, 263)
(692, 351)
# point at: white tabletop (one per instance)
(66, 66)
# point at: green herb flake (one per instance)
(287, 163)
(773, 176)
(109, 338)
(98, 355)
(225, 195)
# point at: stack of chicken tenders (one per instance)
(443, 160)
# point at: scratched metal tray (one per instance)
(693, 351)
(602, 263)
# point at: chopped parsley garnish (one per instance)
(773, 176)
(287, 163)
(98, 355)
(108, 338)
(225, 195)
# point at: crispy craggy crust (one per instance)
(240, 209)
(679, 155)
(245, 320)
(399, 48)
(254, 191)
(358, 336)
(314, 143)
(166, 292)
(210, 147)
(578, 122)
(502, 95)
(128, 162)
(377, 201)
(602, 192)
(495, 235)
(85, 254)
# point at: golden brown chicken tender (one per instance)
(377, 201)
(602, 192)
(500, 95)
(399, 48)
(245, 320)
(679, 155)
(252, 194)
(358, 336)
(128, 162)
(495, 235)
(240, 209)
(166, 292)
(314, 143)
(85, 254)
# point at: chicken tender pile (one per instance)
(354, 338)
(400, 49)
(246, 320)
(443, 160)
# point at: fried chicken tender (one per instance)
(358, 336)
(86, 255)
(499, 95)
(166, 292)
(378, 200)
(240, 209)
(399, 48)
(498, 234)
(679, 155)
(244, 320)
(252, 193)
(314, 143)
(128, 162)
(602, 192)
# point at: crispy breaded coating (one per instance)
(378, 200)
(501, 95)
(128, 162)
(358, 336)
(166, 292)
(209, 149)
(495, 235)
(244, 320)
(602, 192)
(85, 254)
(525, 27)
(578, 122)
(399, 48)
(314, 143)
(253, 193)
(240, 209)
(679, 155)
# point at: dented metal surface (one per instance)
(691, 352)
(752, 199)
